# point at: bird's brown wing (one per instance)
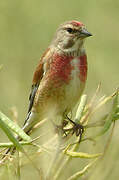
(36, 81)
(38, 75)
(35, 84)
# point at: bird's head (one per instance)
(70, 36)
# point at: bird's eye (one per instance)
(70, 30)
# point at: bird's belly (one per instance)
(74, 89)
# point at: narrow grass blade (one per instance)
(10, 144)
(81, 154)
(1, 66)
(80, 108)
(82, 172)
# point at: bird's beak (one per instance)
(84, 33)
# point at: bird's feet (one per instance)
(77, 128)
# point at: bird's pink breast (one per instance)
(83, 68)
(61, 68)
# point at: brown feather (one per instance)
(38, 74)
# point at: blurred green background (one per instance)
(26, 29)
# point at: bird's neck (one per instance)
(70, 52)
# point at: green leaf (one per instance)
(116, 117)
(10, 135)
(111, 117)
(14, 127)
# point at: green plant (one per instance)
(63, 149)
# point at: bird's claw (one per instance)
(77, 128)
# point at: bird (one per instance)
(60, 77)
